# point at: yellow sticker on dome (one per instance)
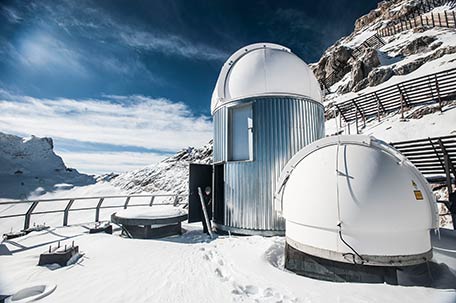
(418, 194)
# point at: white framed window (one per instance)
(240, 133)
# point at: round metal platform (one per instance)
(150, 222)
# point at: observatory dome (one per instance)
(264, 69)
(356, 199)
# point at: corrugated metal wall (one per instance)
(282, 126)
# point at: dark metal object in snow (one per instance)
(207, 220)
(57, 256)
(107, 228)
(150, 228)
(13, 235)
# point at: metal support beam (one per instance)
(402, 102)
(448, 165)
(206, 217)
(28, 214)
(438, 92)
(97, 210)
(152, 201)
(126, 202)
(65, 213)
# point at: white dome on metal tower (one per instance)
(357, 191)
(264, 69)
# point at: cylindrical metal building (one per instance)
(266, 106)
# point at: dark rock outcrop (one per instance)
(418, 45)
(379, 75)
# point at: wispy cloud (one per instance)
(131, 121)
(96, 23)
(170, 45)
(42, 50)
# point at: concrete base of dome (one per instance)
(328, 270)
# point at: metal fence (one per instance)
(432, 88)
(439, 19)
(434, 156)
(431, 156)
(374, 41)
(70, 201)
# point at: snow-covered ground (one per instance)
(191, 268)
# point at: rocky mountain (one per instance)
(367, 57)
(29, 166)
(170, 175)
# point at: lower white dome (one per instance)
(355, 198)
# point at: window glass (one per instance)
(240, 133)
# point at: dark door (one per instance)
(219, 194)
(200, 175)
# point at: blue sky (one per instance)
(122, 84)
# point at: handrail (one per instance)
(88, 198)
(70, 201)
(399, 96)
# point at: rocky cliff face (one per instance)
(29, 167)
(363, 60)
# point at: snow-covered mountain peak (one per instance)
(170, 175)
(29, 167)
(31, 155)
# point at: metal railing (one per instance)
(70, 201)
(441, 19)
(434, 156)
(431, 88)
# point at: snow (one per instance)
(158, 211)
(359, 38)
(189, 268)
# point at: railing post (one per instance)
(447, 162)
(65, 213)
(152, 201)
(356, 121)
(97, 211)
(438, 92)
(28, 214)
(126, 202)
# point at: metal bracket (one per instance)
(67, 210)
